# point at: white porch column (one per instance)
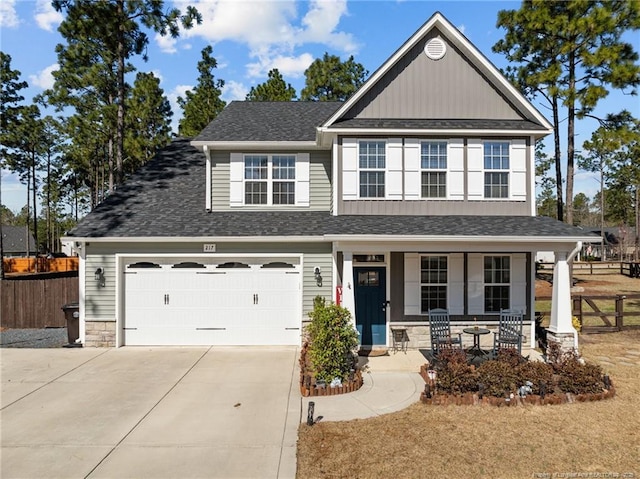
(561, 327)
(348, 298)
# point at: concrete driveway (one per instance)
(149, 412)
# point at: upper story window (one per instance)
(433, 282)
(497, 283)
(496, 166)
(269, 179)
(372, 167)
(433, 164)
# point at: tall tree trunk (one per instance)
(571, 136)
(35, 200)
(49, 228)
(558, 162)
(636, 250)
(121, 94)
(604, 253)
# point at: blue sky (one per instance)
(251, 37)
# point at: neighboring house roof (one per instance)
(14, 240)
(165, 200)
(268, 121)
(481, 64)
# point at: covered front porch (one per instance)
(393, 282)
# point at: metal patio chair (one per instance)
(509, 334)
(440, 330)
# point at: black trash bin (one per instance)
(72, 315)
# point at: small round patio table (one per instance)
(477, 332)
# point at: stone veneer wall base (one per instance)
(100, 334)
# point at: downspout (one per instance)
(208, 186)
(577, 249)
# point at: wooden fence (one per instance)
(610, 319)
(35, 301)
(585, 267)
(630, 269)
(40, 265)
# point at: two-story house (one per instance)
(418, 192)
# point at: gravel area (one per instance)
(33, 338)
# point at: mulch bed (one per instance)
(473, 399)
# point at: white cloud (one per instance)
(273, 30)
(462, 28)
(234, 90)
(46, 16)
(166, 43)
(179, 90)
(289, 66)
(8, 15)
(44, 78)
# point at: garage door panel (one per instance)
(212, 306)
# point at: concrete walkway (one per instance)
(149, 413)
(391, 383)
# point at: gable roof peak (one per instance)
(448, 31)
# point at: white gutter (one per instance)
(461, 239)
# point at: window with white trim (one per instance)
(433, 282)
(372, 167)
(433, 165)
(496, 166)
(497, 283)
(269, 179)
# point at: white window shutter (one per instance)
(412, 179)
(394, 169)
(456, 283)
(236, 176)
(411, 283)
(475, 289)
(302, 179)
(349, 169)
(475, 167)
(455, 169)
(519, 282)
(518, 174)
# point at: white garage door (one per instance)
(233, 303)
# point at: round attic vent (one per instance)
(435, 49)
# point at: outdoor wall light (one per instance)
(99, 277)
(318, 276)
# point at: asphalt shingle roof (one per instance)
(438, 124)
(14, 240)
(268, 121)
(166, 199)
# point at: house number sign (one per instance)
(209, 248)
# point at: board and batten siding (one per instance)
(319, 181)
(100, 303)
(418, 87)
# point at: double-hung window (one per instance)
(433, 282)
(269, 179)
(372, 165)
(496, 166)
(497, 283)
(433, 163)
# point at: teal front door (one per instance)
(371, 305)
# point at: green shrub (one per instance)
(498, 377)
(537, 372)
(579, 377)
(332, 340)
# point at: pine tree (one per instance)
(569, 53)
(148, 121)
(274, 89)
(117, 27)
(202, 104)
(329, 79)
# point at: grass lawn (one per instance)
(610, 284)
(488, 442)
